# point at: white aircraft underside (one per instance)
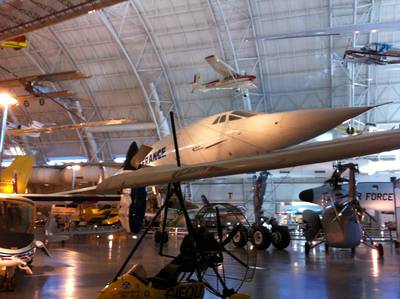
(229, 84)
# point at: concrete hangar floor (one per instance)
(84, 264)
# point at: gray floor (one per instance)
(86, 263)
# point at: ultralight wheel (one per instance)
(379, 247)
(307, 248)
(159, 235)
(241, 237)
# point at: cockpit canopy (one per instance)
(234, 115)
(16, 222)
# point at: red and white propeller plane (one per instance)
(230, 78)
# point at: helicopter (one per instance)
(340, 225)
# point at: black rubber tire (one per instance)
(261, 237)
(307, 248)
(280, 238)
(241, 237)
(158, 236)
(379, 247)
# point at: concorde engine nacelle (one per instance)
(71, 175)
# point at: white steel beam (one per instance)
(107, 23)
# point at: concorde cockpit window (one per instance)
(233, 117)
(243, 113)
(216, 120)
(223, 118)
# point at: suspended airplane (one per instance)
(38, 128)
(25, 99)
(32, 84)
(37, 90)
(340, 226)
(230, 78)
(373, 53)
(336, 31)
(38, 15)
(16, 43)
(29, 82)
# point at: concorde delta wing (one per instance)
(343, 148)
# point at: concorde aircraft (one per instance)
(242, 141)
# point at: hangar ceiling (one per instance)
(138, 51)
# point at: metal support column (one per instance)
(3, 131)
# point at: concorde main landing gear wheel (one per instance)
(280, 237)
(261, 237)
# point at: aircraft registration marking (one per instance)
(377, 196)
(156, 155)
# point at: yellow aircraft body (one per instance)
(129, 286)
(15, 177)
(134, 284)
(16, 43)
(105, 216)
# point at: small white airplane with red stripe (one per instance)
(230, 78)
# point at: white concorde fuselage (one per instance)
(238, 134)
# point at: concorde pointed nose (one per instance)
(293, 127)
(319, 121)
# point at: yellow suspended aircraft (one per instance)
(16, 43)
